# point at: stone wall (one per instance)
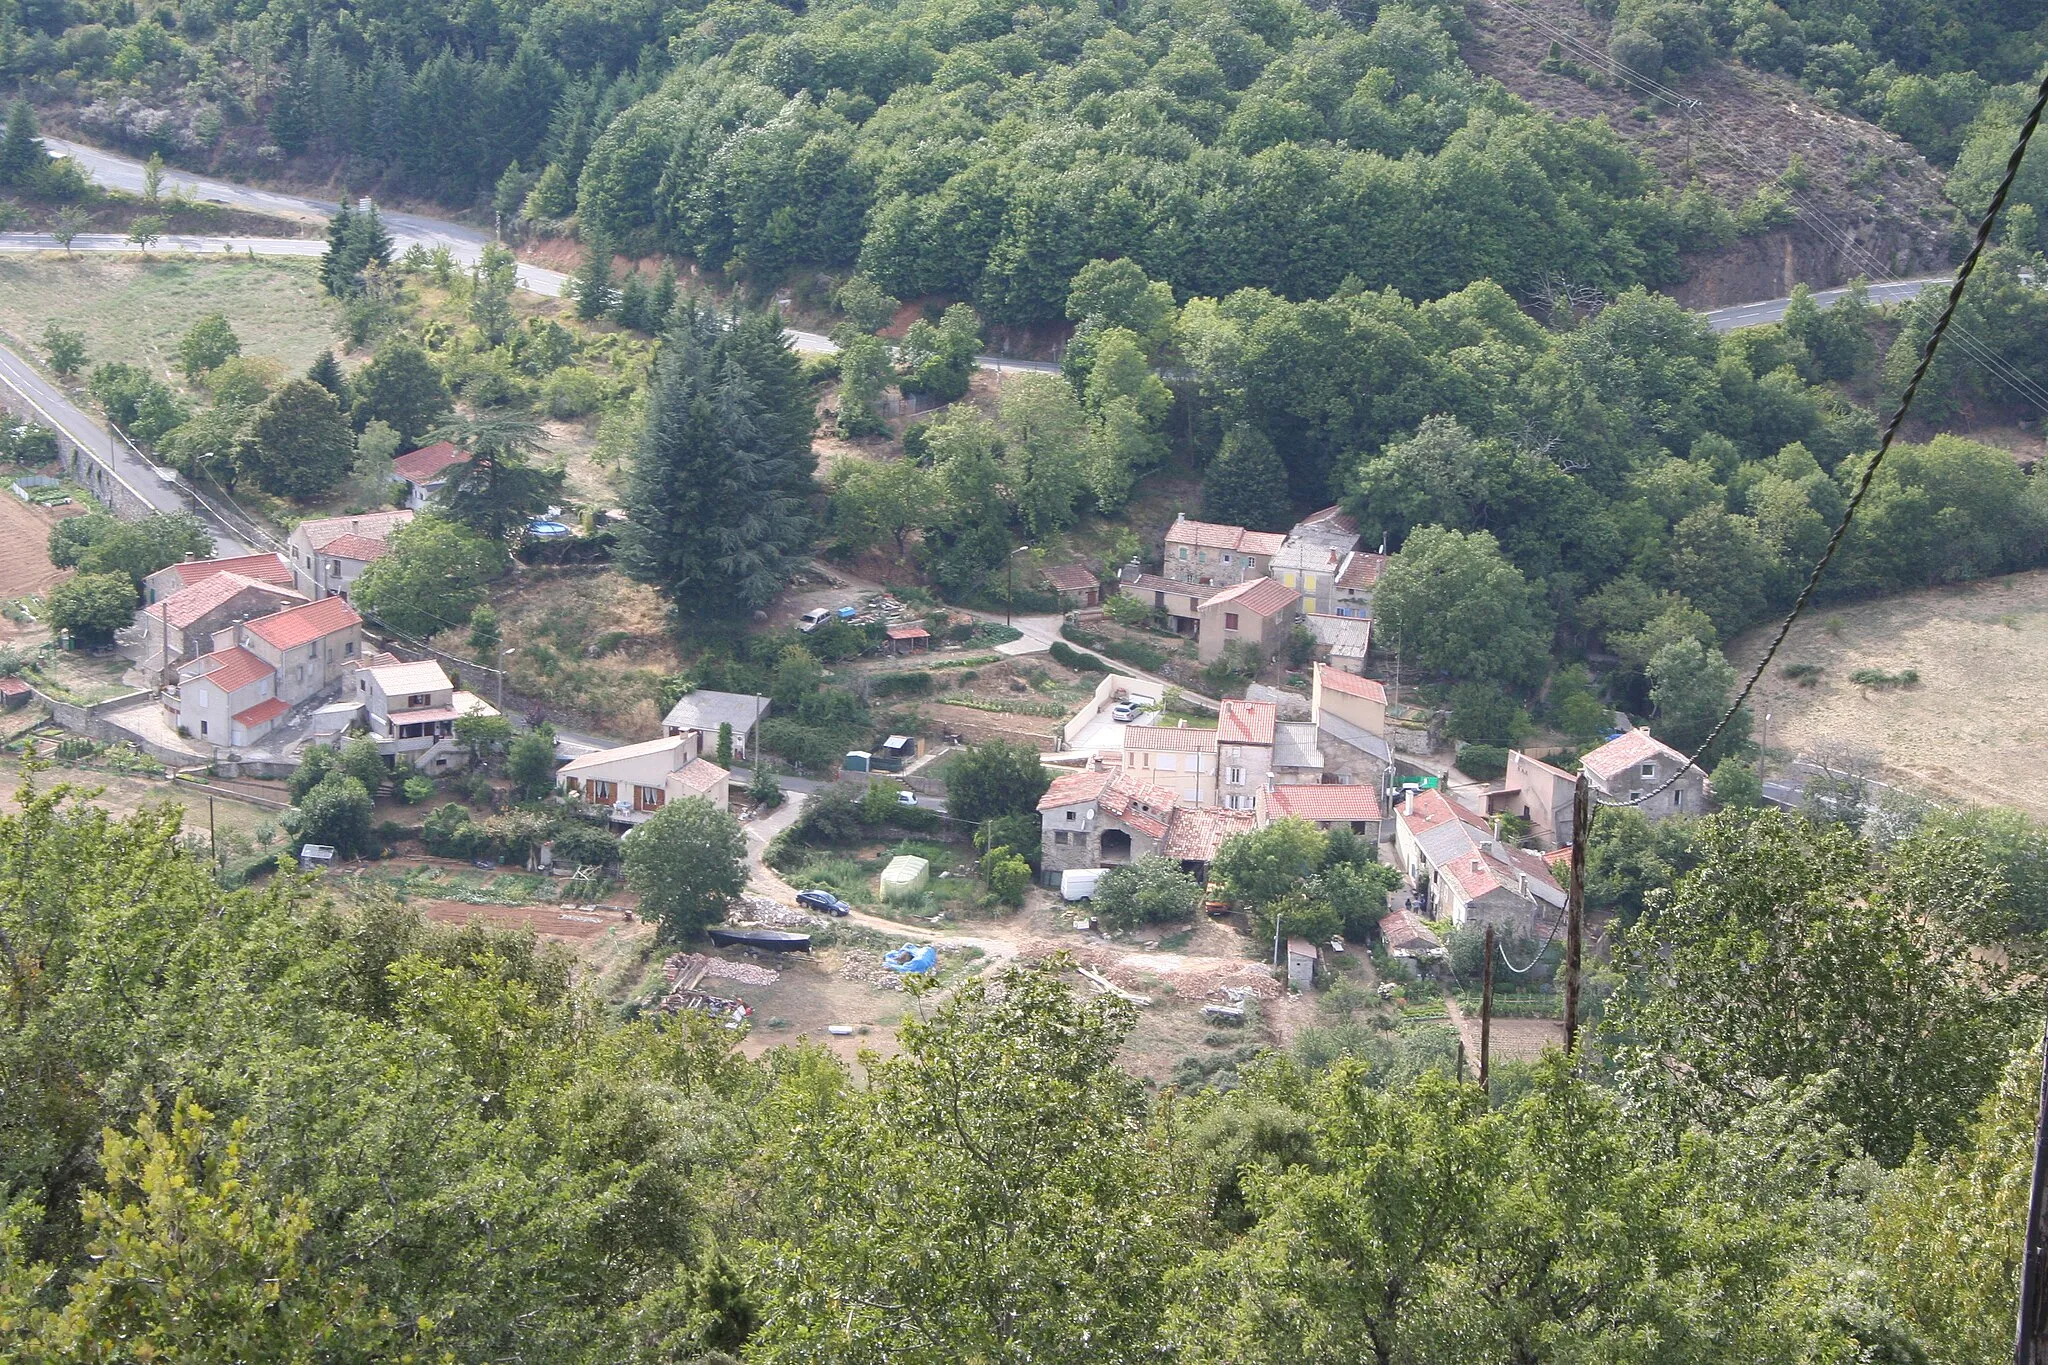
(92, 722)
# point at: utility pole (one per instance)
(212, 839)
(1486, 1010)
(1575, 910)
(2030, 1341)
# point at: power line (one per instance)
(1891, 431)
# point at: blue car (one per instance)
(825, 901)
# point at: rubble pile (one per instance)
(745, 973)
(858, 964)
(748, 908)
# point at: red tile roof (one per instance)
(353, 546)
(1618, 755)
(1152, 582)
(1259, 596)
(1073, 789)
(14, 687)
(1211, 535)
(1361, 570)
(370, 525)
(1350, 684)
(230, 670)
(297, 626)
(1196, 832)
(1325, 802)
(423, 464)
(1433, 808)
(1399, 929)
(262, 711)
(188, 605)
(1070, 577)
(265, 568)
(1246, 722)
(1178, 739)
(909, 633)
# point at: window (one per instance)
(1234, 776)
(1649, 770)
(313, 650)
(1230, 620)
(1235, 801)
(1226, 559)
(1308, 582)
(202, 727)
(199, 696)
(417, 699)
(1059, 836)
(1635, 794)
(1677, 799)
(648, 798)
(1183, 552)
(348, 651)
(600, 793)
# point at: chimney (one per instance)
(1496, 829)
(1182, 726)
(1408, 801)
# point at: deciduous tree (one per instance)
(686, 861)
(297, 443)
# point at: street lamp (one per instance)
(1010, 581)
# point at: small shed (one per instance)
(896, 751)
(909, 640)
(315, 857)
(1303, 958)
(905, 876)
(14, 694)
(1076, 584)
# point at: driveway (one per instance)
(1103, 735)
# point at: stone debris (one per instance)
(748, 908)
(744, 972)
(858, 964)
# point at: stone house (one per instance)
(308, 646)
(1355, 583)
(1540, 794)
(1178, 758)
(705, 710)
(1466, 875)
(172, 578)
(227, 698)
(1245, 734)
(178, 628)
(1179, 602)
(1350, 715)
(1211, 555)
(1326, 806)
(1310, 569)
(1101, 818)
(1626, 767)
(328, 554)
(1257, 614)
(1076, 584)
(425, 471)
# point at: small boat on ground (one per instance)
(762, 940)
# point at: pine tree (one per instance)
(1246, 484)
(326, 372)
(291, 113)
(594, 280)
(499, 489)
(22, 154)
(336, 275)
(635, 306)
(368, 243)
(401, 386)
(663, 301)
(716, 494)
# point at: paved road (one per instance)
(1771, 310)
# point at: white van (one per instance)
(1079, 883)
(812, 619)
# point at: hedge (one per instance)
(1064, 653)
(1131, 652)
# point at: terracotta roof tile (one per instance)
(371, 525)
(1332, 518)
(396, 679)
(1259, 596)
(1152, 582)
(1072, 789)
(265, 568)
(297, 626)
(353, 546)
(262, 711)
(189, 605)
(422, 465)
(1196, 832)
(1361, 569)
(1618, 755)
(1350, 684)
(1172, 738)
(1246, 722)
(697, 777)
(1211, 535)
(1325, 802)
(230, 670)
(1070, 577)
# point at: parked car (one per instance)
(812, 619)
(1125, 711)
(906, 798)
(825, 901)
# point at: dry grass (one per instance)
(1973, 728)
(588, 641)
(136, 311)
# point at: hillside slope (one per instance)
(1871, 188)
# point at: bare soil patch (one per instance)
(25, 567)
(1972, 729)
(548, 921)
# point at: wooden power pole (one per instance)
(1575, 911)
(1486, 1010)
(2030, 1342)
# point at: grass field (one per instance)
(1972, 728)
(136, 311)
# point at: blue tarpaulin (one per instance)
(912, 958)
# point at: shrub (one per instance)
(1877, 677)
(1483, 761)
(415, 789)
(572, 392)
(918, 683)
(1065, 654)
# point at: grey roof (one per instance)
(706, 711)
(1286, 705)
(1294, 746)
(1359, 738)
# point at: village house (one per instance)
(1179, 603)
(1350, 717)
(227, 698)
(309, 646)
(1344, 640)
(1178, 758)
(1327, 806)
(704, 711)
(1467, 875)
(1209, 555)
(1257, 614)
(410, 709)
(1332, 527)
(636, 780)
(1245, 733)
(425, 471)
(1311, 570)
(178, 628)
(1114, 816)
(328, 554)
(1076, 584)
(263, 568)
(1626, 767)
(1356, 582)
(1539, 793)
